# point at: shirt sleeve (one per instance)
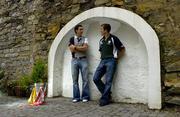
(86, 41)
(100, 43)
(118, 43)
(71, 41)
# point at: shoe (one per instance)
(110, 98)
(74, 100)
(84, 100)
(103, 103)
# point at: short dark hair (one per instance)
(76, 27)
(106, 27)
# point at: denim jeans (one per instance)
(82, 66)
(107, 67)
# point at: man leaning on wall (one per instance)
(111, 49)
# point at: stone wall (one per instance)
(28, 27)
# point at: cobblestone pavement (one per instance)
(63, 107)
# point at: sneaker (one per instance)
(74, 100)
(84, 100)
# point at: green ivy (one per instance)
(1, 74)
(24, 81)
(39, 73)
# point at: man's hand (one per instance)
(121, 53)
(72, 48)
(82, 48)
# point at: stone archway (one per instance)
(138, 76)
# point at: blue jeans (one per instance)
(82, 66)
(107, 67)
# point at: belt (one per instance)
(80, 57)
(108, 58)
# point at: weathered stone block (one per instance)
(173, 100)
(173, 91)
(19, 27)
(11, 55)
(4, 19)
(66, 17)
(75, 8)
(44, 45)
(31, 17)
(75, 1)
(100, 2)
(23, 2)
(172, 79)
(148, 6)
(129, 1)
(173, 67)
(25, 48)
(6, 51)
(11, 50)
(83, 1)
(40, 36)
(53, 29)
(118, 2)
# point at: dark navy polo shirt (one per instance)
(109, 47)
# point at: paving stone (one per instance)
(63, 107)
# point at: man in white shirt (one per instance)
(78, 46)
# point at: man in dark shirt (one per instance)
(111, 49)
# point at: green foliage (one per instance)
(11, 83)
(39, 73)
(3, 84)
(10, 87)
(1, 74)
(24, 81)
(2, 81)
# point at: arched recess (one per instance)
(138, 75)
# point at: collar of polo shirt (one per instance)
(79, 38)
